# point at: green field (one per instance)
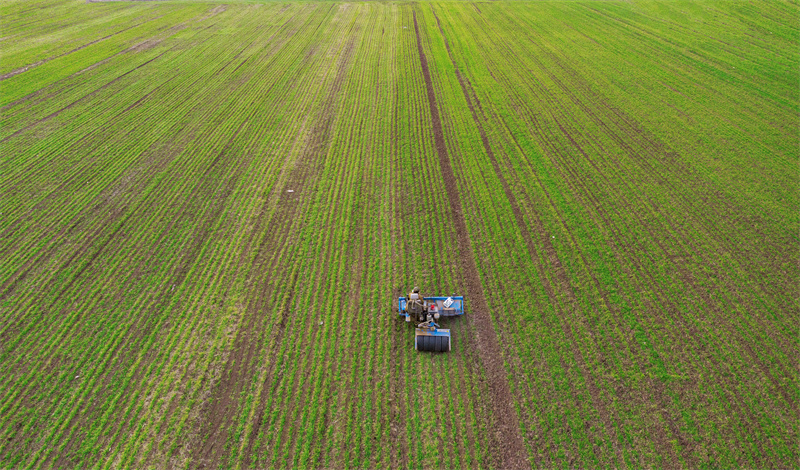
(208, 211)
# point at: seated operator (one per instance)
(415, 304)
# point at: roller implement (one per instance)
(426, 310)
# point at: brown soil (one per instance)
(219, 409)
(506, 441)
(213, 12)
(222, 406)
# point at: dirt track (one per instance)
(506, 439)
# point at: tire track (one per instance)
(224, 403)
(336, 111)
(259, 262)
(563, 283)
(506, 441)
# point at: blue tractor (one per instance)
(426, 310)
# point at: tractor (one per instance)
(426, 310)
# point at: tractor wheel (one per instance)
(433, 343)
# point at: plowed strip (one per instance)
(506, 440)
(563, 282)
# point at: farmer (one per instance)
(415, 304)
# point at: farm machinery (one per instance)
(426, 310)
